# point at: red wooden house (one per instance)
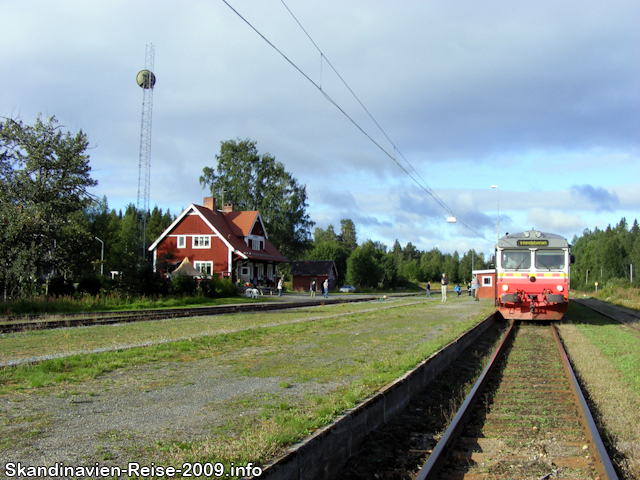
(231, 244)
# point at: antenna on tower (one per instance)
(146, 80)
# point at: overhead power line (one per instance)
(424, 186)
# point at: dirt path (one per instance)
(121, 416)
(145, 413)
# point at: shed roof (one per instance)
(313, 267)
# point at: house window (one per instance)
(202, 242)
(487, 281)
(204, 267)
(269, 271)
(260, 271)
(256, 245)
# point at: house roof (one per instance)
(242, 223)
(313, 267)
(231, 228)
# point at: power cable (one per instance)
(424, 187)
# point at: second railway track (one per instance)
(525, 418)
(19, 324)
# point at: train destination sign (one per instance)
(533, 243)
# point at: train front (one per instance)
(532, 271)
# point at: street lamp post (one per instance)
(498, 193)
(101, 256)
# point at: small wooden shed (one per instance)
(304, 272)
(487, 279)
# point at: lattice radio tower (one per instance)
(146, 80)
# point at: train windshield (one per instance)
(550, 259)
(516, 259)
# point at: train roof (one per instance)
(532, 238)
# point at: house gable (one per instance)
(216, 240)
(187, 223)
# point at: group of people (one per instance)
(474, 288)
(325, 288)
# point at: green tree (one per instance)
(389, 267)
(44, 177)
(431, 265)
(466, 264)
(328, 235)
(259, 182)
(348, 237)
(331, 251)
(363, 268)
(450, 266)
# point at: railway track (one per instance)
(623, 315)
(524, 418)
(20, 324)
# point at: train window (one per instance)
(550, 259)
(516, 259)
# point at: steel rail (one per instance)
(603, 463)
(579, 302)
(444, 446)
(437, 458)
(109, 318)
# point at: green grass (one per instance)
(350, 350)
(48, 342)
(106, 303)
(619, 344)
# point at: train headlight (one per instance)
(538, 234)
(560, 288)
(505, 288)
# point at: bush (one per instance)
(183, 285)
(60, 287)
(90, 285)
(216, 287)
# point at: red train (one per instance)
(533, 273)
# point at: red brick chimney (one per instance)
(210, 203)
(227, 207)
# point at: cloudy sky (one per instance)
(539, 98)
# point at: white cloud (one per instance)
(534, 98)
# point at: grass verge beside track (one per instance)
(321, 361)
(605, 355)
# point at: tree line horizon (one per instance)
(51, 223)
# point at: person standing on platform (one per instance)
(443, 287)
(325, 288)
(313, 289)
(280, 287)
(428, 289)
(475, 285)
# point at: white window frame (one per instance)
(270, 271)
(487, 281)
(260, 269)
(201, 241)
(204, 266)
(181, 242)
(256, 244)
